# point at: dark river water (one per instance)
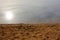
(29, 11)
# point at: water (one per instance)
(29, 11)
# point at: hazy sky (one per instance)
(29, 11)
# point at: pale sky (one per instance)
(29, 11)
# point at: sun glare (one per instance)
(8, 15)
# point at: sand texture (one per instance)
(29, 31)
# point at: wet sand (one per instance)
(29, 31)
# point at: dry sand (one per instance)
(29, 31)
